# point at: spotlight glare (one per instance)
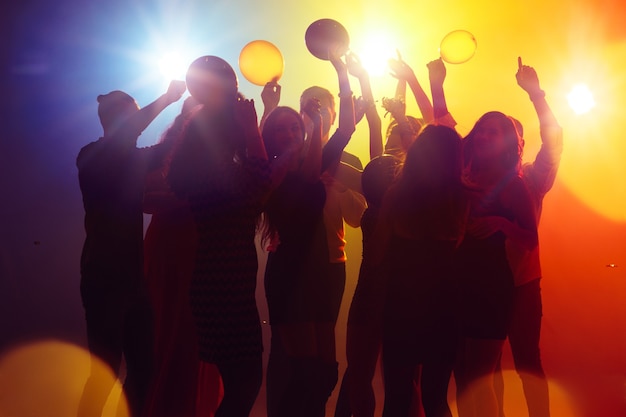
(173, 67)
(581, 99)
(375, 54)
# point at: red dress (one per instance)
(183, 385)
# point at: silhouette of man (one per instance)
(111, 173)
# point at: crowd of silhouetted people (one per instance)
(449, 270)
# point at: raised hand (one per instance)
(245, 114)
(395, 106)
(271, 95)
(527, 79)
(436, 71)
(312, 108)
(355, 66)
(334, 56)
(361, 106)
(400, 69)
(175, 90)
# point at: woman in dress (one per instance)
(302, 371)
(220, 167)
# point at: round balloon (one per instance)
(209, 73)
(457, 47)
(261, 62)
(323, 34)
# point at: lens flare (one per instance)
(581, 99)
(173, 66)
(374, 53)
(47, 378)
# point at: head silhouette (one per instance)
(493, 141)
(327, 106)
(282, 129)
(114, 108)
(213, 82)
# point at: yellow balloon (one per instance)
(261, 62)
(457, 47)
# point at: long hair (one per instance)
(429, 192)
(266, 225)
(269, 128)
(511, 157)
(207, 141)
(175, 129)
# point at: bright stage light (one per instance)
(374, 52)
(580, 99)
(173, 66)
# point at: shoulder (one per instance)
(88, 150)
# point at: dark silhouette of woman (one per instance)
(420, 226)
(302, 370)
(501, 211)
(170, 246)
(220, 166)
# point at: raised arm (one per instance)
(541, 173)
(436, 76)
(311, 167)
(401, 70)
(527, 79)
(270, 97)
(246, 116)
(356, 69)
(347, 125)
(139, 121)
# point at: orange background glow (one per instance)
(583, 226)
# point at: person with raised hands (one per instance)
(219, 166)
(525, 327)
(111, 174)
(302, 295)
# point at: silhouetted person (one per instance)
(111, 174)
(219, 165)
(420, 227)
(303, 296)
(170, 248)
(501, 211)
(525, 328)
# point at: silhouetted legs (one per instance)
(119, 325)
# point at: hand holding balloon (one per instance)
(335, 52)
(175, 90)
(271, 95)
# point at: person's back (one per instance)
(111, 182)
(111, 174)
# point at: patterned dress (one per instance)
(223, 286)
